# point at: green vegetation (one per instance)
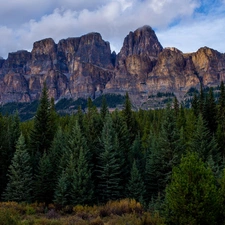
(60, 169)
(64, 106)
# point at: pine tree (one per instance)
(76, 163)
(181, 118)
(169, 149)
(136, 153)
(210, 112)
(123, 137)
(220, 133)
(203, 144)
(56, 155)
(109, 168)
(80, 118)
(61, 191)
(43, 185)
(176, 106)
(195, 105)
(43, 132)
(104, 108)
(129, 118)
(82, 186)
(222, 198)
(192, 196)
(136, 187)
(201, 99)
(9, 134)
(19, 187)
(152, 166)
(76, 141)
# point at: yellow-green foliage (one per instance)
(120, 207)
(126, 211)
(9, 216)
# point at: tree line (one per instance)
(171, 160)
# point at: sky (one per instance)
(184, 24)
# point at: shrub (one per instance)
(120, 207)
(30, 210)
(52, 214)
(9, 216)
(97, 221)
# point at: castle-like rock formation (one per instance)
(85, 67)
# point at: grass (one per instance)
(126, 211)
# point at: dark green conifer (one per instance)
(104, 108)
(19, 187)
(109, 168)
(192, 197)
(210, 112)
(82, 186)
(136, 187)
(43, 185)
(176, 106)
(43, 131)
(204, 144)
(129, 118)
(220, 133)
(195, 105)
(61, 193)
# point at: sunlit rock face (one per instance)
(83, 67)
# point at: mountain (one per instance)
(83, 67)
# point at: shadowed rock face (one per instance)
(85, 67)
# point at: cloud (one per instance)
(112, 18)
(203, 30)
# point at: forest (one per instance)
(167, 162)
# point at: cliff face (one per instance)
(85, 67)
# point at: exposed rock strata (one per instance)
(85, 67)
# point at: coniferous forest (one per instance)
(167, 164)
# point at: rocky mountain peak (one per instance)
(81, 67)
(142, 41)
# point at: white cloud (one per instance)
(203, 30)
(112, 18)
(7, 42)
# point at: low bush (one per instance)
(9, 216)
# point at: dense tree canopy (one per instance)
(171, 157)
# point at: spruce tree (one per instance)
(201, 99)
(104, 108)
(61, 193)
(195, 105)
(82, 186)
(124, 147)
(56, 154)
(43, 131)
(43, 185)
(136, 153)
(192, 197)
(76, 163)
(181, 118)
(75, 141)
(19, 186)
(152, 165)
(220, 133)
(210, 112)
(129, 118)
(136, 187)
(176, 106)
(9, 134)
(108, 168)
(204, 144)
(222, 198)
(169, 149)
